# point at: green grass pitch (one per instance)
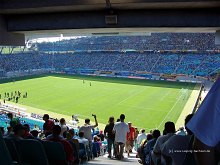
(147, 104)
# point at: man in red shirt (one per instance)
(67, 146)
(130, 139)
(48, 125)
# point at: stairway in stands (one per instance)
(104, 160)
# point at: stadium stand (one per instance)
(156, 41)
(167, 63)
(180, 53)
(168, 53)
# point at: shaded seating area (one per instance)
(12, 150)
(5, 156)
(34, 152)
(75, 145)
(38, 150)
(26, 152)
(55, 153)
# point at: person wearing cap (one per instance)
(130, 139)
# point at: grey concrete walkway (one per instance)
(104, 160)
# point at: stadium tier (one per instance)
(156, 41)
(168, 53)
(168, 63)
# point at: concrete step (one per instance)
(104, 160)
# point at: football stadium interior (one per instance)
(63, 63)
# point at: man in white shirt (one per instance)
(87, 128)
(142, 136)
(120, 129)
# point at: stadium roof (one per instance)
(39, 6)
(46, 18)
(111, 32)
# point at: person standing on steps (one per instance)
(110, 136)
(120, 129)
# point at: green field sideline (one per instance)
(147, 104)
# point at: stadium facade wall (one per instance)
(106, 73)
(134, 75)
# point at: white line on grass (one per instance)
(163, 97)
(130, 97)
(140, 107)
(170, 111)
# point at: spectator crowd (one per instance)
(154, 41)
(154, 147)
(152, 62)
(168, 53)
